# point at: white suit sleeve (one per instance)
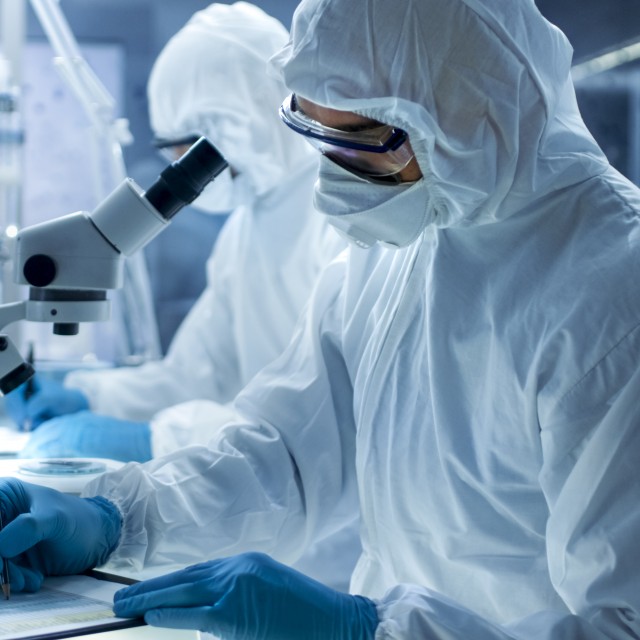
(257, 486)
(591, 479)
(195, 422)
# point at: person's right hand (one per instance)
(48, 533)
(48, 400)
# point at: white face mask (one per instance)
(216, 196)
(366, 212)
(224, 194)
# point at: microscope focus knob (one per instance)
(39, 270)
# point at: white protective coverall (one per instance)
(211, 79)
(477, 390)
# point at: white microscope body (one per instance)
(70, 263)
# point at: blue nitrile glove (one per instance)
(87, 434)
(49, 399)
(48, 533)
(249, 596)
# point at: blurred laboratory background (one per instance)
(70, 130)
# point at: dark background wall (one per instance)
(609, 101)
(593, 25)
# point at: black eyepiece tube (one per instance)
(183, 180)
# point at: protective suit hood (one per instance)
(210, 79)
(483, 88)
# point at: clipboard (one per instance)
(93, 589)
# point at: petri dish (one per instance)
(62, 467)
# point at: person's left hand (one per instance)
(86, 434)
(249, 596)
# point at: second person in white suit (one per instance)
(211, 79)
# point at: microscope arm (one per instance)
(13, 369)
(12, 312)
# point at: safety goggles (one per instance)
(377, 151)
(172, 148)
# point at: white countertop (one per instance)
(141, 633)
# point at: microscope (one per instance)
(69, 263)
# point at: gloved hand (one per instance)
(249, 596)
(86, 434)
(48, 533)
(48, 400)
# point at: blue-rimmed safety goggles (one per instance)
(172, 148)
(379, 150)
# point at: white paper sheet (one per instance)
(62, 605)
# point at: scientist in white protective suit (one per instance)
(210, 79)
(475, 389)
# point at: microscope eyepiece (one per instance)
(183, 180)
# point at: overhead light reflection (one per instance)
(627, 53)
